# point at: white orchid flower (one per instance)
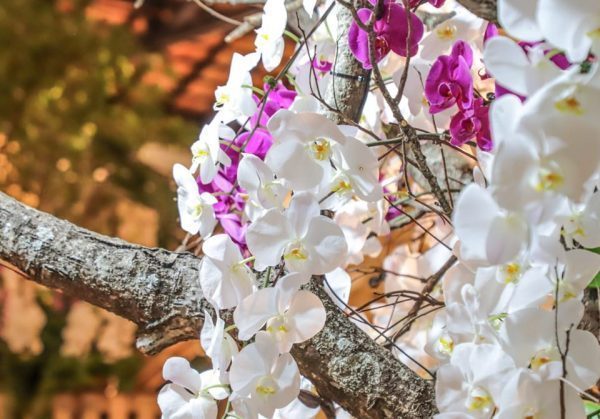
(536, 346)
(504, 115)
(269, 37)
(338, 287)
(270, 381)
(207, 153)
(224, 277)
(263, 188)
(234, 100)
(196, 212)
(509, 288)
(217, 344)
(519, 71)
(357, 169)
(290, 317)
(473, 380)
(469, 320)
(303, 148)
(488, 234)
(575, 273)
(528, 173)
(463, 26)
(582, 224)
(519, 19)
(548, 153)
(297, 408)
(309, 242)
(190, 395)
(572, 26)
(414, 94)
(526, 396)
(358, 219)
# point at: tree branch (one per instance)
(350, 81)
(485, 9)
(154, 288)
(159, 291)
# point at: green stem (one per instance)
(291, 36)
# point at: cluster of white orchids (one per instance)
(281, 194)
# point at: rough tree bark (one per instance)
(159, 290)
(349, 80)
(485, 9)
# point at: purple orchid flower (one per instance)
(391, 34)
(280, 97)
(231, 198)
(449, 81)
(258, 144)
(472, 123)
(322, 66)
(234, 227)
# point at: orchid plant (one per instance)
(283, 193)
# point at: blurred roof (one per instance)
(191, 40)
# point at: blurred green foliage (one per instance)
(72, 97)
(74, 110)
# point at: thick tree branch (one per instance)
(485, 9)
(154, 288)
(159, 291)
(350, 81)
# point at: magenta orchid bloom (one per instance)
(391, 31)
(449, 81)
(472, 123)
(257, 141)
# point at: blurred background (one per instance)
(98, 100)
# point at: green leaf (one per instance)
(592, 410)
(596, 281)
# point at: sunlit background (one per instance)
(98, 100)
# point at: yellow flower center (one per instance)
(277, 324)
(200, 153)
(320, 149)
(446, 345)
(569, 105)
(594, 34)
(296, 253)
(479, 399)
(222, 95)
(341, 187)
(543, 357)
(549, 181)
(265, 390)
(266, 386)
(446, 32)
(512, 272)
(197, 210)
